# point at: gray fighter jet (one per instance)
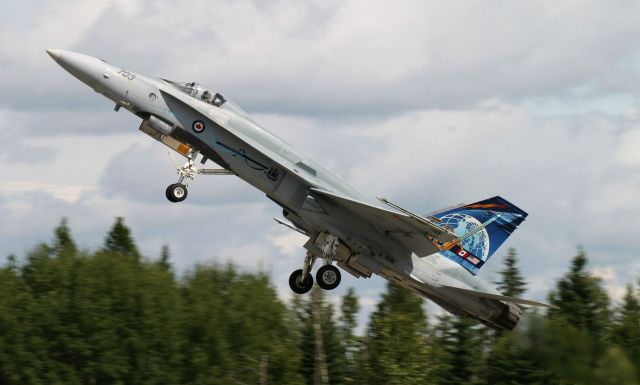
(435, 255)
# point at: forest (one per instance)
(114, 316)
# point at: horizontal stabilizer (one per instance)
(498, 297)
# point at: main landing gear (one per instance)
(328, 276)
(178, 192)
(298, 284)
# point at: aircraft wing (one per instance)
(405, 229)
(504, 298)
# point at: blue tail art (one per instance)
(483, 226)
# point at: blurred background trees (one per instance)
(113, 316)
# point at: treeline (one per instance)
(70, 316)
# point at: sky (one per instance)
(428, 103)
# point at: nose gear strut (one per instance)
(177, 192)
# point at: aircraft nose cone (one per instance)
(86, 68)
(54, 53)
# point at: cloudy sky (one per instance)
(429, 103)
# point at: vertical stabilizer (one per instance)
(482, 227)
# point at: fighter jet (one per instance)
(436, 255)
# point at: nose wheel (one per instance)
(176, 192)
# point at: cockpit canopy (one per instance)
(202, 92)
(207, 94)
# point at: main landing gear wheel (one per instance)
(328, 277)
(176, 192)
(298, 285)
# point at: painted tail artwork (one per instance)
(481, 228)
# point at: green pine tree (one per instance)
(582, 302)
(396, 348)
(21, 346)
(165, 257)
(100, 318)
(626, 328)
(63, 243)
(562, 352)
(614, 368)
(323, 353)
(236, 330)
(348, 321)
(349, 309)
(119, 240)
(461, 340)
(510, 363)
(511, 282)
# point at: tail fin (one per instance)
(497, 219)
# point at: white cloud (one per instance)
(63, 192)
(627, 152)
(334, 58)
(605, 273)
(290, 244)
(47, 28)
(609, 278)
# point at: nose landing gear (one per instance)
(178, 192)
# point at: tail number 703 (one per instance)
(127, 74)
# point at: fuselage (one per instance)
(226, 135)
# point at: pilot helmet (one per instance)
(206, 95)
